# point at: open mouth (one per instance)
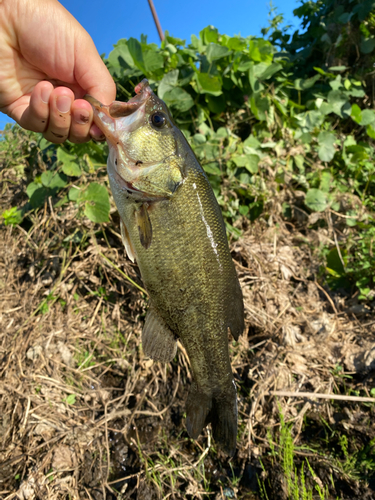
(120, 116)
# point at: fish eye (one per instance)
(158, 120)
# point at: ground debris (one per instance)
(83, 413)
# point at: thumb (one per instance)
(91, 73)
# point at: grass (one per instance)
(282, 452)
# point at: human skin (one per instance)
(48, 63)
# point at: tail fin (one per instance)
(220, 410)
(198, 408)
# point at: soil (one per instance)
(85, 415)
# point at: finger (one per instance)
(82, 116)
(32, 111)
(36, 115)
(60, 104)
(96, 133)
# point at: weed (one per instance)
(84, 359)
(283, 453)
(70, 399)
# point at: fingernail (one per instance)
(45, 93)
(81, 116)
(63, 103)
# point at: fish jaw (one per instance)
(115, 121)
(117, 118)
(141, 178)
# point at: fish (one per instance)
(172, 226)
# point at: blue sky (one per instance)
(108, 21)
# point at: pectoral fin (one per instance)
(158, 341)
(126, 241)
(144, 225)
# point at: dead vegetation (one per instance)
(84, 415)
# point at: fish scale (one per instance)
(179, 243)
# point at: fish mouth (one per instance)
(118, 116)
(120, 109)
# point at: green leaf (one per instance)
(259, 105)
(216, 104)
(251, 142)
(135, 49)
(209, 84)
(370, 131)
(255, 83)
(70, 399)
(339, 102)
(69, 162)
(337, 68)
(215, 52)
(73, 194)
(254, 52)
(270, 70)
(362, 117)
(96, 200)
(261, 50)
(209, 34)
(316, 200)
(199, 139)
(301, 84)
(367, 45)
(326, 142)
(326, 181)
(37, 194)
(306, 138)
(236, 43)
(179, 99)
(334, 262)
(121, 57)
(250, 162)
(356, 113)
(153, 61)
(368, 116)
(212, 168)
(12, 216)
(54, 180)
(168, 82)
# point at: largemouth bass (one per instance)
(172, 227)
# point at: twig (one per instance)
(123, 274)
(156, 19)
(320, 395)
(328, 297)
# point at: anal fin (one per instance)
(126, 241)
(158, 341)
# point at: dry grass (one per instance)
(83, 414)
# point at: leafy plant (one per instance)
(263, 123)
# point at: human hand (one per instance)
(48, 63)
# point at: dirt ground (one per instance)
(85, 415)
